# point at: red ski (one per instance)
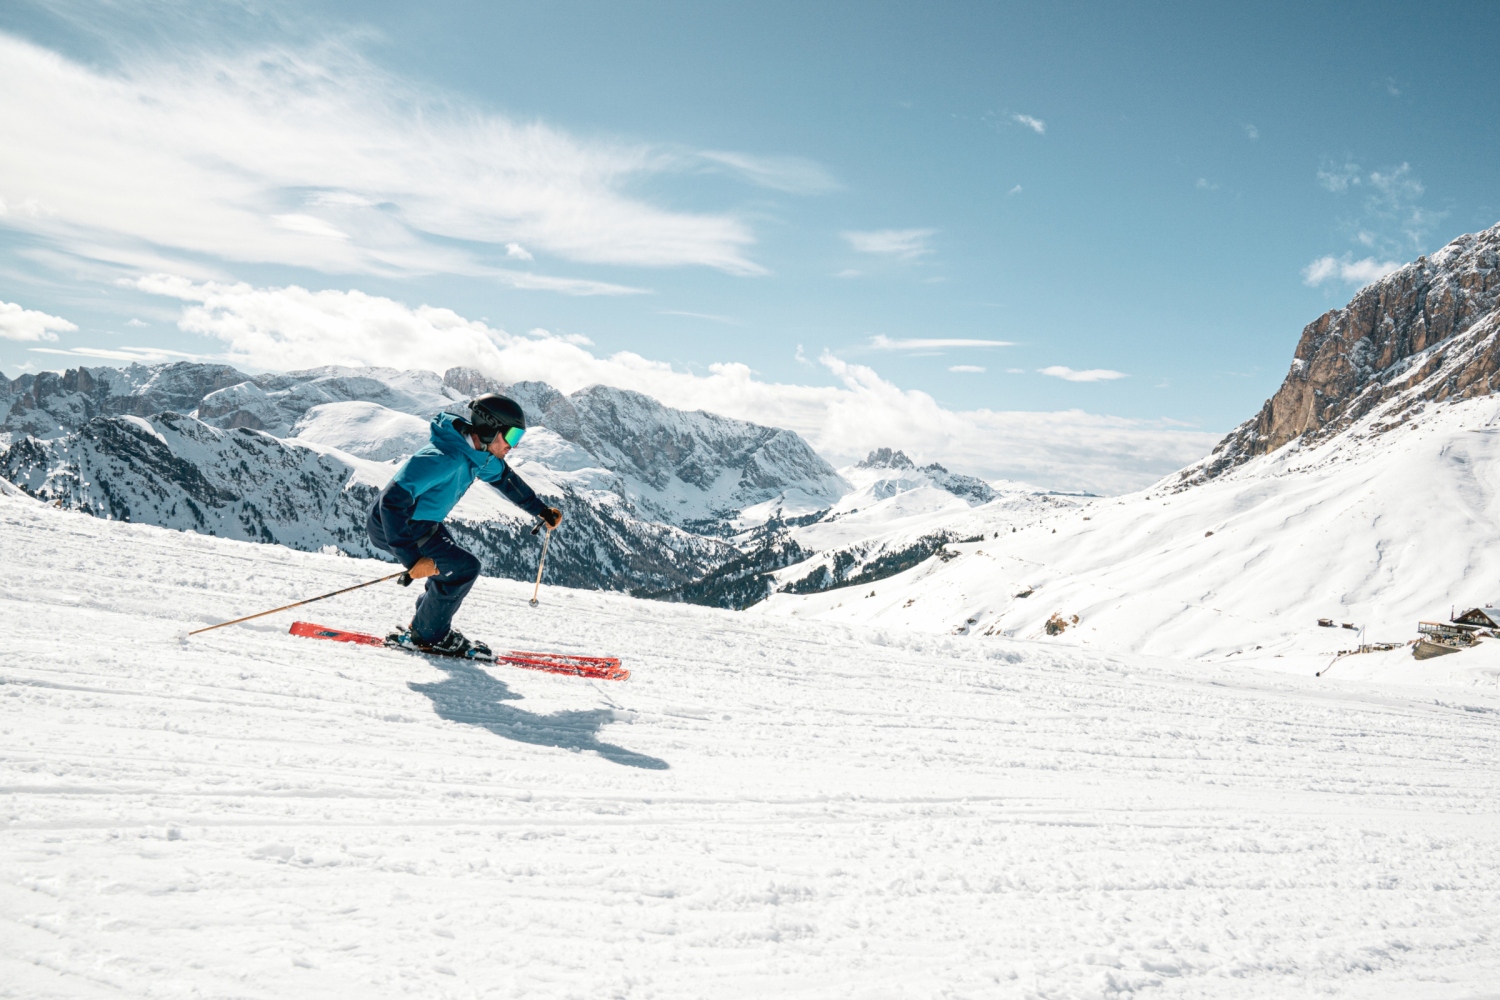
(603, 667)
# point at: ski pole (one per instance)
(417, 572)
(539, 564)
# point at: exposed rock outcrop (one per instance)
(49, 404)
(690, 468)
(1426, 333)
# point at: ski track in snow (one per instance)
(769, 807)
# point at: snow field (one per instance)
(1379, 530)
(769, 807)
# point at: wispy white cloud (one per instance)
(880, 342)
(1358, 272)
(138, 355)
(542, 333)
(1397, 186)
(1204, 184)
(285, 328)
(1251, 132)
(17, 323)
(309, 225)
(318, 159)
(517, 251)
(849, 272)
(1014, 190)
(792, 174)
(906, 244)
(1035, 124)
(967, 369)
(1339, 178)
(1087, 375)
(1390, 220)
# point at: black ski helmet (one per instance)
(493, 414)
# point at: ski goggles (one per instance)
(511, 436)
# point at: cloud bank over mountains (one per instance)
(290, 327)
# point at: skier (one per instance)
(406, 520)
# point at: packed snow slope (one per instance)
(764, 809)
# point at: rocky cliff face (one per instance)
(1425, 333)
(49, 405)
(694, 469)
(178, 472)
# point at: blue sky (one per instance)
(954, 208)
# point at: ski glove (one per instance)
(424, 567)
(551, 517)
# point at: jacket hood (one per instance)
(447, 439)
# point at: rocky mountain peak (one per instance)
(1424, 333)
(885, 458)
(471, 383)
(680, 464)
(49, 404)
(276, 402)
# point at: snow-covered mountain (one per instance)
(652, 495)
(178, 472)
(676, 505)
(278, 403)
(695, 469)
(1383, 510)
(894, 516)
(885, 473)
(48, 405)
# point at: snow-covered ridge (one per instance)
(48, 405)
(686, 468)
(178, 472)
(886, 473)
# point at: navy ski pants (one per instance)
(457, 570)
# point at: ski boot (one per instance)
(453, 644)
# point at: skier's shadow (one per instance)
(474, 698)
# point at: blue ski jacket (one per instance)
(430, 483)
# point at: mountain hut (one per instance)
(1482, 617)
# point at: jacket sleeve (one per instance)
(513, 488)
(402, 533)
